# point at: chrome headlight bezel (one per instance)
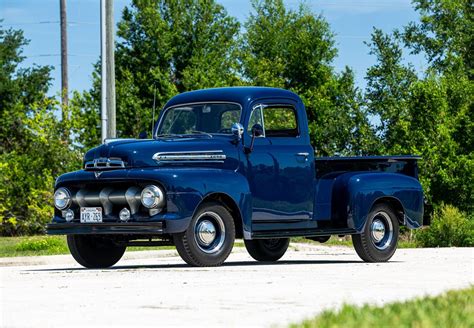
(152, 197)
(62, 198)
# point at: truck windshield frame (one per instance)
(201, 124)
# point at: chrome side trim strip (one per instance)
(207, 156)
(112, 140)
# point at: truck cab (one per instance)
(230, 163)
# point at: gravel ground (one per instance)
(156, 288)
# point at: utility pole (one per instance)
(64, 77)
(103, 74)
(107, 67)
(110, 64)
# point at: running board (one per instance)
(301, 233)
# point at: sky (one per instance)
(351, 21)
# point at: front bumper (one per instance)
(175, 218)
(107, 228)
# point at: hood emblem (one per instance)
(203, 156)
(104, 163)
(97, 174)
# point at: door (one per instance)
(280, 166)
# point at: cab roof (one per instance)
(241, 95)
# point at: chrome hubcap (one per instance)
(381, 230)
(209, 232)
(206, 232)
(378, 230)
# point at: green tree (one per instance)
(18, 86)
(295, 50)
(387, 93)
(165, 47)
(429, 115)
(444, 34)
(32, 150)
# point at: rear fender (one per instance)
(359, 192)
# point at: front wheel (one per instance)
(378, 241)
(209, 238)
(267, 250)
(94, 252)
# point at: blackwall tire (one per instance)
(94, 252)
(378, 242)
(209, 238)
(267, 250)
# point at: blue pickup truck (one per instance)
(231, 163)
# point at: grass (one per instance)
(452, 309)
(403, 242)
(32, 246)
(55, 245)
(52, 245)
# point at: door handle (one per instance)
(302, 154)
(305, 155)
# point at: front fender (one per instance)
(202, 183)
(358, 192)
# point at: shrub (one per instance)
(449, 227)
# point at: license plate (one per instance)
(91, 214)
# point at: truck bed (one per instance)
(406, 165)
(329, 196)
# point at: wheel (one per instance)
(209, 238)
(378, 241)
(94, 252)
(268, 250)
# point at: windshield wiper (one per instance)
(169, 135)
(203, 133)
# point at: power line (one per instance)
(364, 4)
(32, 23)
(57, 55)
(70, 23)
(351, 37)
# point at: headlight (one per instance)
(152, 197)
(62, 198)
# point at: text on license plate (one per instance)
(91, 214)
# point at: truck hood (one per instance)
(186, 151)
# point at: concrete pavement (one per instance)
(156, 288)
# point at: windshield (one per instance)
(206, 118)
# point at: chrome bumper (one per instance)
(132, 228)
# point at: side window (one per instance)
(280, 121)
(255, 118)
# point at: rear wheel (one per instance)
(210, 237)
(94, 252)
(378, 241)
(267, 250)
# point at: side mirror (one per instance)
(237, 130)
(257, 131)
(143, 135)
